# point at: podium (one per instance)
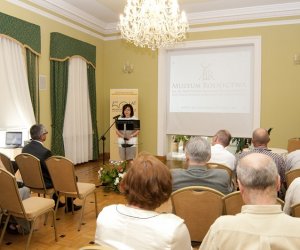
(127, 145)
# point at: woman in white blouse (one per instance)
(146, 185)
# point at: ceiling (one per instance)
(102, 15)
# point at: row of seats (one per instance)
(200, 206)
(63, 177)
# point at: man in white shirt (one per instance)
(293, 160)
(261, 223)
(219, 153)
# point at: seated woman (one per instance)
(146, 185)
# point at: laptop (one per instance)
(13, 139)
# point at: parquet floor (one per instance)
(68, 236)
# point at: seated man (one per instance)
(261, 223)
(260, 140)
(219, 154)
(293, 160)
(197, 153)
(36, 148)
(292, 195)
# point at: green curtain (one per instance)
(59, 89)
(26, 33)
(32, 74)
(61, 48)
(92, 95)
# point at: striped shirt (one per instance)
(278, 159)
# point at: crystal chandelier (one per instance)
(153, 23)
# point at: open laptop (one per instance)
(13, 139)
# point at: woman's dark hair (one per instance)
(125, 107)
(148, 182)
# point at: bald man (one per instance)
(260, 140)
(261, 223)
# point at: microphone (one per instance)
(116, 117)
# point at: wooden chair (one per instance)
(96, 247)
(199, 207)
(64, 181)
(32, 176)
(29, 209)
(291, 175)
(295, 210)
(232, 180)
(233, 203)
(7, 163)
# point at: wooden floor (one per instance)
(68, 236)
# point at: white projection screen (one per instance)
(211, 85)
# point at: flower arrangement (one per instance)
(110, 175)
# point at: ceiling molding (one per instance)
(249, 13)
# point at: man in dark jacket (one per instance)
(36, 148)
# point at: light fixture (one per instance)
(153, 23)
(128, 68)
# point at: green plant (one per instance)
(111, 175)
(179, 138)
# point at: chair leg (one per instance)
(30, 234)
(4, 229)
(81, 215)
(54, 224)
(96, 204)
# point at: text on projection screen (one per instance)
(212, 81)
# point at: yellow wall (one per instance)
(280, 108)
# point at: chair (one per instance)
(32, 176)
(97, 247)
(29, 209)
(291, 175)
(199, 207)
(233, 203)
(295, 210)
(232, 181)
(7, 163)
(64, 181)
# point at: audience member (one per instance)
(293, 160)
(18, 225)
(261, 223)
(198, 153)
(292, 195)
(219, 153)
(260, 140)
(36, 148)
(146, 185)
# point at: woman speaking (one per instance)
(127, 138)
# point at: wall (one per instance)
(280, 77)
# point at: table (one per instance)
(11, 152)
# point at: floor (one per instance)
(68, 236)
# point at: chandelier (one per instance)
(153, 23)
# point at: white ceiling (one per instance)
(102, 15)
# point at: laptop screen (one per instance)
(13, 138)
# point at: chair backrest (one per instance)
(199, 207)
(7, 163)
(10, 199)
(220, 166)
(31, 172)
(295, 210)
(291, 175)
(233, 203)
(62, 174)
